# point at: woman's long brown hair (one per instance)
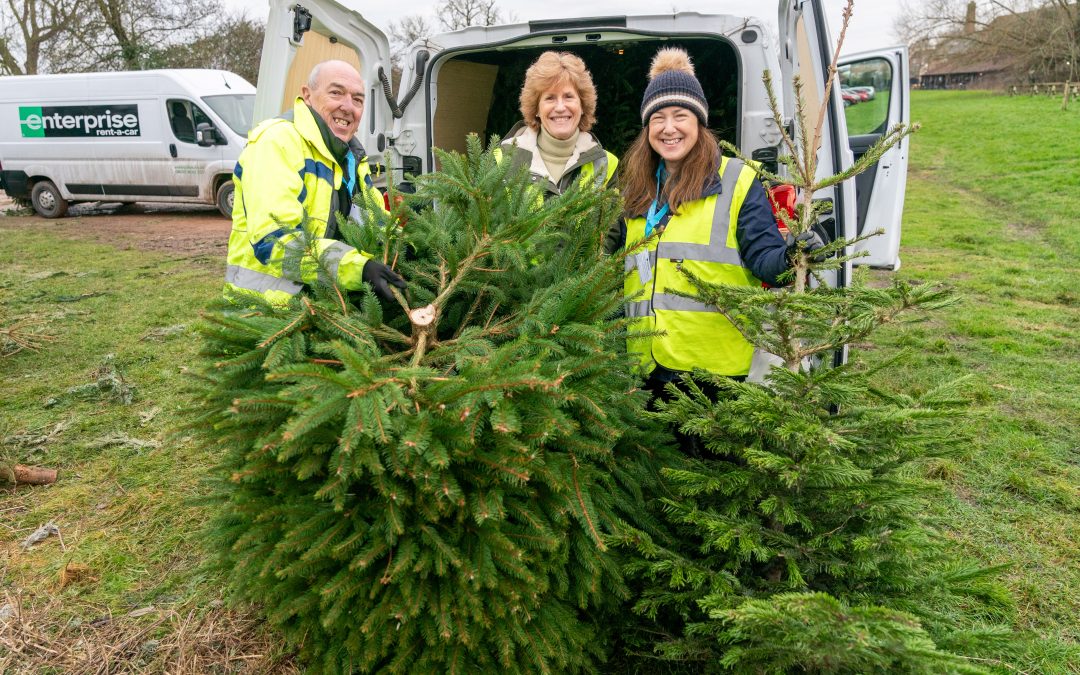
(638, 170)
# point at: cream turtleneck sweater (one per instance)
(555, 153)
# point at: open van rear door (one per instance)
(301, 33)
(882, 75)
(806, 49)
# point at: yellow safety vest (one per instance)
(285, 172)
(700, 238)
(607, 166)
(595, 163)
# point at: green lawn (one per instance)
(123, 502)
(989, 210)
(866, 117)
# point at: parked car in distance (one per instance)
(867, 91)
(850, 97)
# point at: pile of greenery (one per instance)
(440, 488)
(429, 487)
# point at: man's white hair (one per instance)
(313, 77)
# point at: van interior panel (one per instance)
(620, 74)
(315, 49)
(457, 116)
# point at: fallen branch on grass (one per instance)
(124, 440)
(20, 336)
(29, 475)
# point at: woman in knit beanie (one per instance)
(682, 200)
(558, 108)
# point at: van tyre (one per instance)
(225, 198)
(46, 200)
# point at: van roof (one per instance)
(203, 82)
(661, 24)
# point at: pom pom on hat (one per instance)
(670, 58)
(672, 83)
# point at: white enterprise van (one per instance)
(469, 80)
(153, 136)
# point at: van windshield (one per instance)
(236, 109)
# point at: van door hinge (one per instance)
(301, 22)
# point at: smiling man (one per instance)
(304, 163)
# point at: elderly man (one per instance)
(303, 163)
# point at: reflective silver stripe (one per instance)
(639, 309)
(717, 249)
(681, 304)
(259, 282)
(630, 261)
(330, 259)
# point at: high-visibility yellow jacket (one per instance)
(590, 161)
(702, 238)
(285, 172)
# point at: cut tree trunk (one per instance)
(33, 475)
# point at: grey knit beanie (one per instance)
(672, 82)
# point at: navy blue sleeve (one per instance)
(761, 247)
(616, 236)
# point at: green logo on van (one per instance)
(85, 121)
(30, 122)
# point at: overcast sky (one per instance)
(871, 23)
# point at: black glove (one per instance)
(380, 277)
(809, 241)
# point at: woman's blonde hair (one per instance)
(638, 173)
(554, 68)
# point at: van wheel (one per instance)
(225, 198)
(47, 201)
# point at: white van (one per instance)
(144, 136)
(469, 80)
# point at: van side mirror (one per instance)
(206, 135)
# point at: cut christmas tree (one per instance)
(428, 487)
(802, 546)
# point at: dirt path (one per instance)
(180, 229)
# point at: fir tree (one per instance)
(428, 487)
(802, 547)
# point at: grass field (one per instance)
(123, 500)
(990, 208)
(867, 117)
(991, 196)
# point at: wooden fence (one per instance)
(1046, 89)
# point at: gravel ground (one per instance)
(182, 229)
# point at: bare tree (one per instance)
(30, 26)
(405, 32)
(1038, 39)
(233, 43)
(129, 34)
(458, 14)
